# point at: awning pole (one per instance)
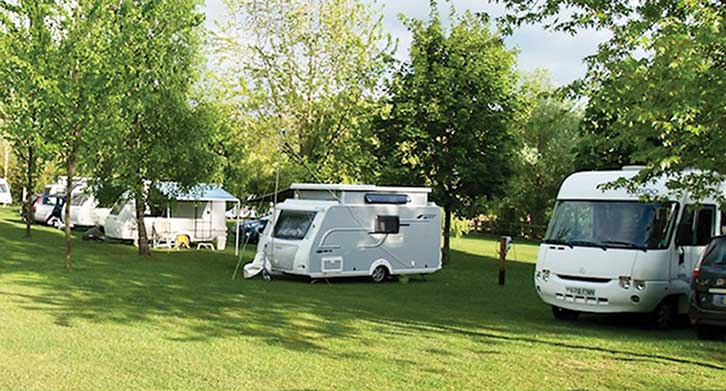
(236, 239)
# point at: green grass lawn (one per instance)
(177, 321)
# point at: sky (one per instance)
(560, 53)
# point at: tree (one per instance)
(82, 68)
(304, 75)
(659, 80)
(162, 131)
(548, 136)
(25, 46)
(450, 115)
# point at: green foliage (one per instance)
(547, 138)
(459, 226)
(657, 83)
(303, 76)
(451, 113)
(161, 132)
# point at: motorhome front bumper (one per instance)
(602, 296)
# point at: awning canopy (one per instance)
(200, 192)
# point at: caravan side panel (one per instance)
(346, 245)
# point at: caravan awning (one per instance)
(200, 192)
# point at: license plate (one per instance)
(580, 291)
(719, 300)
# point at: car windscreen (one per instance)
(715, 254)
(618, 224)
(293, 224)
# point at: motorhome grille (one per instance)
(586, 279)
(582, 299)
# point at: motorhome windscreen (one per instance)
(293, 224)
(616, 224)
(391, 199)
(715, 253)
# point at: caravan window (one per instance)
(78, 199)
(293, 224)
(391, 199)
(118, 207)
(3, 188)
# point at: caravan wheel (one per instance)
(380, 273)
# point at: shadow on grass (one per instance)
(190, 296)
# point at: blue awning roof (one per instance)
(200, 192)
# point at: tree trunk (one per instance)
(27, 204)
(70, 173)
(447, 233)
(143, 240)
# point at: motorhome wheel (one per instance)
(664, 315)
(564, 314)
(379, 274)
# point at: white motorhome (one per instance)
(351, 230)
(608, 251)
(194, 216)
(5, 197)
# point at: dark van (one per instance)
(707, 308)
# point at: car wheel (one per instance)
(664, 315)
(380, 273)
(564, 314)
(707, 332)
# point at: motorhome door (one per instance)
(697, 226)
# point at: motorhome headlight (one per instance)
(639, 285)
(624, 282)
(545, 275)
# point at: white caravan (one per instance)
(85, 211)
(5, 197)
(607, 251)
(195, 216)
(351, 230)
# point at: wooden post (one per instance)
(502, 259)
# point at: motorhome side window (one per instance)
(697, 225)
(293, 224)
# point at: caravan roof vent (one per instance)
(634, 168)
(383, 198)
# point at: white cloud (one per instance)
(561, 53)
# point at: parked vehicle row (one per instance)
(611, 251)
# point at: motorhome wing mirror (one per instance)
(387, 225)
